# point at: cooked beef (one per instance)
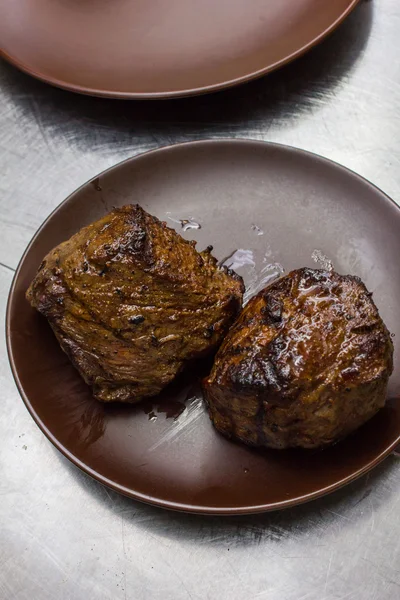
(306, 363)
(131, 302)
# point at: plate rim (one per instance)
(166, 504)
(181, 93)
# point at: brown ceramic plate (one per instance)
(274, 204)
(150, 49)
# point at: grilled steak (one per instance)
(131, 302)
(306, 363)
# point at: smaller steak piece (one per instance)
(306, 363)
(131, 302)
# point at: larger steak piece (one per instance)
(131, 302)
(307, 362)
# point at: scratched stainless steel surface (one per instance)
(64, 536)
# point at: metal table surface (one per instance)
(63, 535)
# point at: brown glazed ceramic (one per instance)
(159, 48)
(279, 205)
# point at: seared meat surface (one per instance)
(131, 302)
(306, 363)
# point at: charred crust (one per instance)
(154, 341)
(209, 332)
(235, 350)
(364, 328)
(272, 311)
(137, 320)
(256, 373)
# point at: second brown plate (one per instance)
(269, 207)
(160, 48)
